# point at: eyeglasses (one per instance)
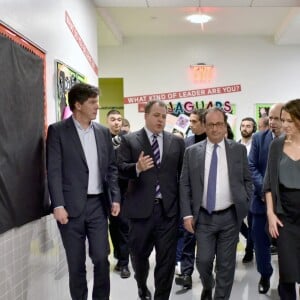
(212, 125)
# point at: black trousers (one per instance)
(160, 232)
(91, 225)
(118, 229)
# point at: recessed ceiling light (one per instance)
(199, 18)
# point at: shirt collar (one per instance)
(210, 144)
(78, 125)
(150, 133)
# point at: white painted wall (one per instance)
(33, 264)
(267, 73)
(43, 22)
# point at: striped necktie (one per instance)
(156, 152)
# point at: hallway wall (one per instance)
(32, 260)
(266, 72)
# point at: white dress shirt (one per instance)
(88, 142)
(223, 193)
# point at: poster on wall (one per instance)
(66, 77)
(262, 110)
(181, 103)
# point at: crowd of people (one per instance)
(189, 198)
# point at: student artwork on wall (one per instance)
(66, 78)
(262, 110)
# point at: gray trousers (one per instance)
(217, 237)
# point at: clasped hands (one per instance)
(144, 163)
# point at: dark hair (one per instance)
(251, 120)
(113, 112)
(230, 134)
(152, 102)
(125, 122)
(293, 108)
(214, 109)
(200, 113)
(81, 92)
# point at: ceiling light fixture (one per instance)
(198, 18)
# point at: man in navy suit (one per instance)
(151, 160)
(83, 186)
(258, 157)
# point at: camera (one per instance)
(116, 140)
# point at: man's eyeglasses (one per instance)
(212, 125)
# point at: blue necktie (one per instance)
(155, 148)
(212, 181)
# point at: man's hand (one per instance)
(144, 163)
(189, 224)
(61, 215)
(115, 209)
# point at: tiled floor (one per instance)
(244, 288)
(33, 267)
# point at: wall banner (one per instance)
(184, 94)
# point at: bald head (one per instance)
(274, 118)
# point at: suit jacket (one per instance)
(189, 141)
(68, 170)
(192, 178)
(258, 158)
(271, 181)
(141, 189)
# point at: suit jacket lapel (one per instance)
(99, 142)
(72, 132)
(167, 140)
(144, 141)
(201, 161)
(229, 156)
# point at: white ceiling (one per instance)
(120, 19)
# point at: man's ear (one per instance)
(77, 105)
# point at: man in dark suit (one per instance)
(258, 157)
(83, 180)
(247, 128)
(151, 160)
(215, 187)
(118, 225)
(189, 241)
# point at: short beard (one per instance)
(246, 134)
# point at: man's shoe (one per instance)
(184, 280)
(206, 294)
(144, 294)
(263, 285)
(117, 268)
(125, 273)
(273, 250)
(248, 257)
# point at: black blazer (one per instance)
(141, 189)
(68, 170)
(271, 180)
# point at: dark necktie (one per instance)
(212, 181)
(155, 148)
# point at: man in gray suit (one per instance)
(83, 186)
(151, 159)
(214, 205)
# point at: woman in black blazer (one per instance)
(282, 192)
